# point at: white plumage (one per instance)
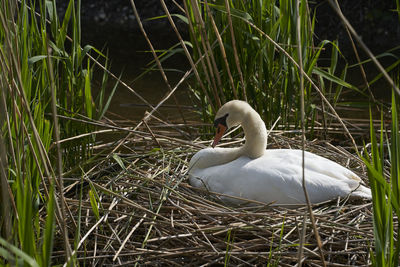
(272, 175)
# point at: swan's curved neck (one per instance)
(254, 147)
(255, 134)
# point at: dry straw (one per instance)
(149, 214)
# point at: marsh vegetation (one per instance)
(80, 185)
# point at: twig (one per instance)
(129, 236)
(152, 134)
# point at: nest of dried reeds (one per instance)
(138, 208)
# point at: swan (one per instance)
(266, 175)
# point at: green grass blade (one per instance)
(48, 237)
(88, 92)
(19, 253)
(336, 80)
(93, 203)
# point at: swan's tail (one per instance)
(362, 192)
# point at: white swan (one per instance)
(272, 175)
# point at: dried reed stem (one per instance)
(63, 218)
(188, 56)
(303, 139)
(208, 51)
(6, 193)
(222, 48)
(187, 226)
(207, 70)
(235, 53)
(153, 52)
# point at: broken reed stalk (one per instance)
(303, 137)
(362, 71)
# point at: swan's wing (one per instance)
(283, 175)
(314, 163)
(277, 176)
(325, 178)
(243, 178)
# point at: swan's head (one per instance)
(229, 115)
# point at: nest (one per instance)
(148, 214)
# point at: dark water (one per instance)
(128, 52)
(126, 49)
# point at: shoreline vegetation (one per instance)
(78, 187)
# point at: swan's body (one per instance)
(273, 175)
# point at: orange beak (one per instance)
(220, 132)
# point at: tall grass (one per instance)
(36, 61)
(383, 165)
(237, 61)
(385, 188)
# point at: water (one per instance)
(126, 50)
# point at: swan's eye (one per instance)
(221, 120)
